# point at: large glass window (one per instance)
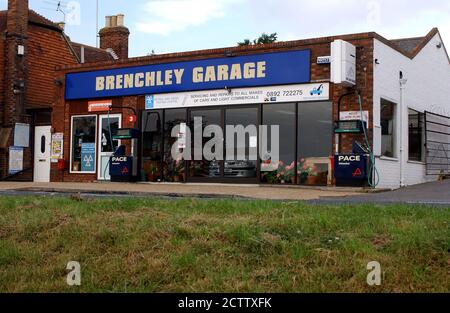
(283, 115)
(235, 166)
(416, 136)
(152, 144)
(173, 170)
(83, 154)
(205, 168)
(388, 125)
(315, 136)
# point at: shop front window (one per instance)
(173, 170)
(83, 154)
(388, 126)
(315, 135)
(204, 167)
(152, 144)
(239, 163)
(283, 170)
(416, 136)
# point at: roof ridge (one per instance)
(409, 38)
(424, 42)
(43, 17)
(410, 54)
(88, 46)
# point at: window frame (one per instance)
(394, 135)
(421, 119)
(71, 171)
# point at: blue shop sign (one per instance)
(279, 68)
(88, 157)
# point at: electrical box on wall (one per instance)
(343, 63)
(20, 50)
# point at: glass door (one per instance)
(107, 146)
(204, 169)
(242, 150)
(152, 142)
(239, 162)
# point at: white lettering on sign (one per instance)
(119, 159)
(324, 60)
(349, 158)
(99, 106)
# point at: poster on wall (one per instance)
(57, 147)
(22, 135)
(88, 157)
(182, 136)
(15, 160)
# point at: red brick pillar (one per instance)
(15, 68)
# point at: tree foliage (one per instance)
(263, 39)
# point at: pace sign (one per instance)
(292, 67)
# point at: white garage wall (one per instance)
(427, 89)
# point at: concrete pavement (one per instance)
(177, 190)
(435, 193)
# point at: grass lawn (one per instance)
(189, 245)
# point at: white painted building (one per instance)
(418, 81)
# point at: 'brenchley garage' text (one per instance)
(236, 71)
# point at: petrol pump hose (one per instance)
(373, 177)
(112, 145)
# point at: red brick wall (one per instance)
(2, 78)
(14, 69)
(319, 73)
(115, 38)
(48, 49)
(62, 116)
(44, 50)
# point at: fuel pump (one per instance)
(351, 170)
(123, 167)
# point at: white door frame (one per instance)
(42, 161)
(100, 175)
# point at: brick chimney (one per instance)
(15, 74)
(115, 36)
(16, 63)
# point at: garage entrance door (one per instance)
(437, 144)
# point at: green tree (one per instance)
(263, 39)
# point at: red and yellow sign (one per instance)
(99, 106)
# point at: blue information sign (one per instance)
(149, 102)
(88, 157)
(277, 68)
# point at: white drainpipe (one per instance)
(403, 114)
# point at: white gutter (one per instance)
(403, 112)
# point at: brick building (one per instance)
(289, 84)
(31, 48)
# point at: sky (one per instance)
(182, 25)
